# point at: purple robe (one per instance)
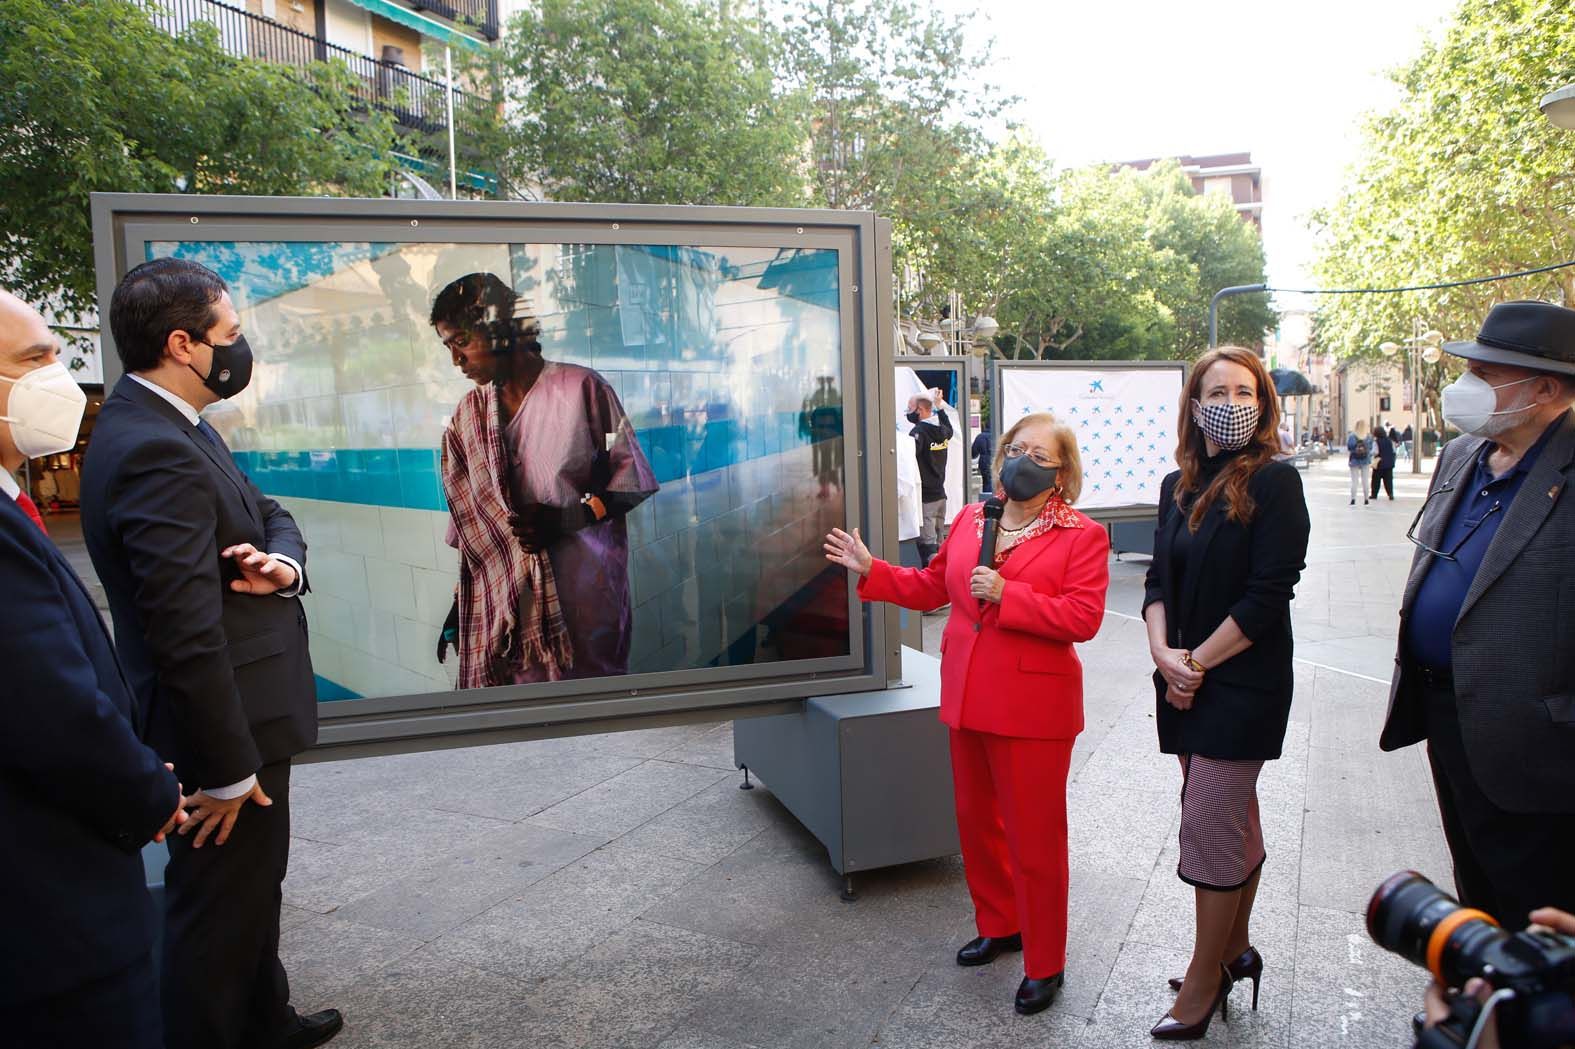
(569, 416)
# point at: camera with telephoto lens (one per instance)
(1532, 974)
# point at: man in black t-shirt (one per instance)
(932, 430)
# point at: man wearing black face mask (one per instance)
(202, 571)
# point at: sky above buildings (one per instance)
(1287, 80)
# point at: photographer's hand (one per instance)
(1551, 919)
(1437, 1008)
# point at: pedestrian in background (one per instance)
(1287, 439)
(1011, 688)
(931, 433)
(1485, 670)
(1359, 445)
(1405, 440)
(1384, 463)
(79, 792)
(982, 451)
(1229, 549)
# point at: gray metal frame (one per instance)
(963, 365)
(124, 223)
(1104, 515)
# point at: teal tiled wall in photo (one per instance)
(408, 477)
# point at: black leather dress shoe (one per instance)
(982, 950)
(312, 1030)
(1036, 995)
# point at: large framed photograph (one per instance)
(554, 463)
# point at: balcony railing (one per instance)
(483, 14)
(416, 101)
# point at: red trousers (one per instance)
(1011, 818)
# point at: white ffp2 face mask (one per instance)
(45, 410)
(1470, 405)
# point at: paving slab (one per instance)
(709, 826)
(425, 1001)
(628, 800)
(937, 1015)
(496, 867)
(712, 748)
(634, 988)
(565, 914)
(327, 953)
(793, 999)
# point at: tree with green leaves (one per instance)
(897, 106)
(1463, 178)
(1124, 267)
(99, 98)
(650, 102)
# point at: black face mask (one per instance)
(1023, 478)
(231, 370)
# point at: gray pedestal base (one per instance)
(869, 774)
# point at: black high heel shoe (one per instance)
(1170, 1029)
(1249, 966)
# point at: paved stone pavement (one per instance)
(620, 891)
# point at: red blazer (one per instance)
(1009, 669)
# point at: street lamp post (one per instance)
(1423, 346)
(1559, 107)
(1214, 306)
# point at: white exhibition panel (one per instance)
(1125, 420)
(909, 384)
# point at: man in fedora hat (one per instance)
(1486, 665)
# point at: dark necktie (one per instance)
(210, 433)
(30, 508)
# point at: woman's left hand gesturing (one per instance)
(986, 584)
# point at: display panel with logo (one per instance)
(1124, 415)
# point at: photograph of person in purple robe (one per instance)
(540, 466)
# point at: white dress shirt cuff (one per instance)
(294, 589)
(233, 791)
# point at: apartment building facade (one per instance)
(393, 49)
(1230, 174)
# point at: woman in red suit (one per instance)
(1011, 687)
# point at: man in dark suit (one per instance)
(202, 572)
(1486, 668)
(79, 793)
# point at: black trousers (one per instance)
(119, 1011)
(1506, 863)
(222, 984)
(1386, 475)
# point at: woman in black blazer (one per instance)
(1230, 546)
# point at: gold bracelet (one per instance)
(1192, 664)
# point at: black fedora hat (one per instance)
(1526, 334)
